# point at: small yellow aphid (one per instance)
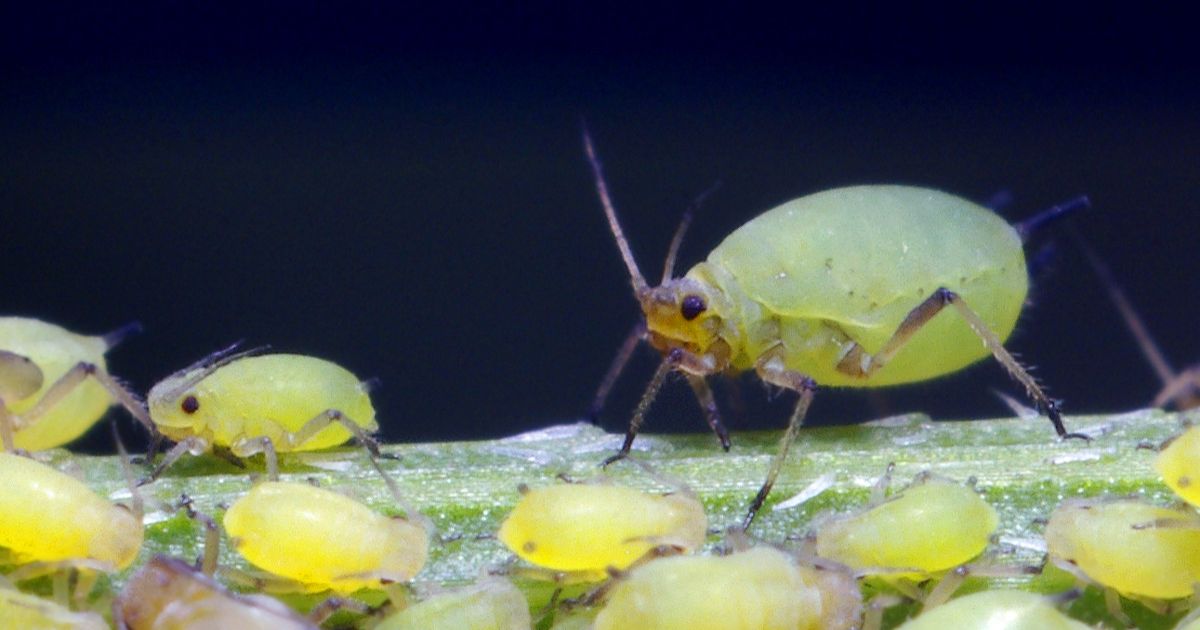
(321, 540)
(265, 403)
(490, 604)
(586, 528)
(46, 399)
(862, 286)
(1179, 465)
(1130, 546)
(996, 610)
(759, 589)
(167, 594)
(22, 610)
(928, 527)
(50, 517)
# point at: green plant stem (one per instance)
(468, 487)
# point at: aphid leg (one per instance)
(1112, 603)
(410, 511)
(856, 361)
(6, 429)
(771, 370)
(879, 490)
(704, 396)
(324, 419)
(639, 414)
(72, 379)
(253, 446)
(212, 536)
(194, 445)
(1183, 390)
(624, 353)
(950, 582)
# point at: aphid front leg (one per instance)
(194, 445)
(856, 361)
(771, 369)
(624, 353)
(704, 396)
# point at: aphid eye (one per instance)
(190, 404)
(692, 306)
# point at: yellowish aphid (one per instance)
(167, 594)
(321, 540)
(1179, 465)
(44, 389)
(48, 516)
(928, 527)
(1130, 546)
(265, 403)
(995, 610)
(844, 287)
(490, 604)
(22, 610)
(586, 528)
(759, 589)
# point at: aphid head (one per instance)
(683, 313)
(173, 401)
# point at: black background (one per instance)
(402, 189)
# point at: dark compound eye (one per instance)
(692, 306)
(190, 404)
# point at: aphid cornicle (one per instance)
(843, 287)
(46, 398)
(267, 403)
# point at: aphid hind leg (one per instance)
(324, 419)
(771, 369)
(75, 377)
(856, 361)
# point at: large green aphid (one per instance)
(844, 287)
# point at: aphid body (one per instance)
(320, 539)
(929, 527)
(34, 355)
(1179, 465)
(490, 604)
(995, 610)
(587, 528)
(167, 594)
(251, 397)
(1130, 546)
(844, 287)
(758, 589)
(49, 516)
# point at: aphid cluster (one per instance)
(861, 286)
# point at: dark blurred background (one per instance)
(402, 189)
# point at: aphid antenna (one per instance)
(1150, 349)
(1027, 228)
(684, 223)
(640, 287)
(212, 363)
(114, 338)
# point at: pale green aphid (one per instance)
(995, 610)
(46, 397)
(265, 403)
(1130, 546)
(22, 610)
(927, 528)
(490, 604)
(758, 589)
(844, 287)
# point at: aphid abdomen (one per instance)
(849, 264)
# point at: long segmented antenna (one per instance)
(1133, 321)
(684, 224)
(635, 275)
